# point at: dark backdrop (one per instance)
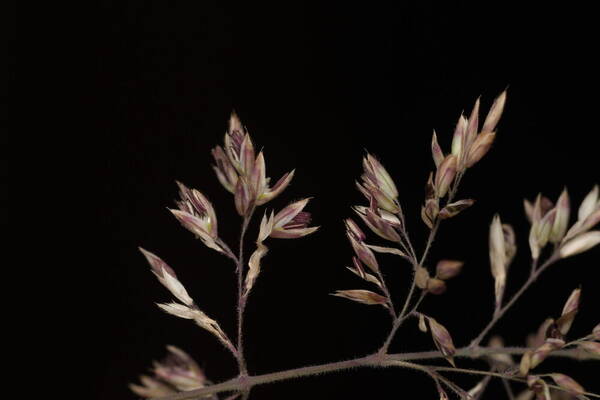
(148, 87)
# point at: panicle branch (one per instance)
(242, 172)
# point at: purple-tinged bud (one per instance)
(379, 176)
(159, 267)
(289, 212)
(359, 270)
(226, 172)
(568, 384)
(372, 192)
(442, 339)
(510, 242)
(539, 233)
(553, 332)
(498, 260)
(493, 116)
(590, 203)
(167, 277)
(421, 277)
(472, 126)
(453, 209)
(430, 212)
(247, 156)
(180, 370)
(544, 350)
(292, 222)
(364, 254)
(354, 230)
(358, 266)
(271, 192)
(539, 387)
(540, 208)
(236, 131)
(199, 317)
(362, 296)
(258, 179)
(569, 311)
(266, 227)
(446, 269)
(199, 227)
(580, 244)
(436, 286)
(561, 221)
(388, 250)
(445, 175)
(301, 220)
(436, 150)
(384, 223)
(234, 139)
(151, 388)
(590, 347)
(195, 203)
(582, 226)
(458, 139)
(244, 198)
(481, 145)
(592, 220)
(381, 222)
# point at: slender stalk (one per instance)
(398, 321)
(437, 378)
(504, 376)
(241, 306)
(404, 312)
(508, 389)
(244, 383)
(405, 242)
(386, 292)
(535, 273)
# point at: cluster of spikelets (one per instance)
(243, 174)
(549, 224)
(384, 215)
(178, 372)
(551, 336)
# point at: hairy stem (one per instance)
(535, 273)
(244, 383)
(241, 304)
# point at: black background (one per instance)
(143, 92)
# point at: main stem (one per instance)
(244, 383)
(535, 273)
